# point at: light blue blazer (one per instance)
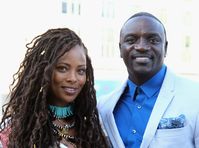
(177, 96)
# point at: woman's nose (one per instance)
(71, 77)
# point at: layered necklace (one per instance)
(63, 131)
(60, 129)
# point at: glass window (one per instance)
(64, 7)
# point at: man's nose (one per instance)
(142, 45)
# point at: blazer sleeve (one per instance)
(197, 132)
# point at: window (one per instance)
(72, 7)
(64, 7)
(107, 9)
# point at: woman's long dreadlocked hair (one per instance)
(28, 106)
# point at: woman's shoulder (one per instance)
(4, 134)
(4, 137)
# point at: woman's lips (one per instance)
(70, 90)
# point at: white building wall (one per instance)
(24, 19)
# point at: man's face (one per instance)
(143, 47)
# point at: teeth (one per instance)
(70, 90)
(142, 59)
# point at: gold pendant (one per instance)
(64, 131)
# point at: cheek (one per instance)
(125, 51)
(82, 81)
(161, 55)
(56, 79)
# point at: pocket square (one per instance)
(170, 123)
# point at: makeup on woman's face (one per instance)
(69, 76)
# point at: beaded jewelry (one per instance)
(64, 130)
(60, 131)
(62, 112)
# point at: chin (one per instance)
(141, 69)
(67, 100)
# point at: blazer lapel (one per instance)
(164, 98)
(110, 120)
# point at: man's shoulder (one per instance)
(103, 99)
(110, 97)
(180, 78)
(186, 81)
(183, 84)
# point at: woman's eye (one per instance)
(82, 71)
(62, 69)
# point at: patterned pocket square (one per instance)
(170, 123)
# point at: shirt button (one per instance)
(139, 106)
(134, 131)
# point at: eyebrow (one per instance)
(130, 34)
(83, 65)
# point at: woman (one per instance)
(53, 100)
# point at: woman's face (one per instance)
(68, 76)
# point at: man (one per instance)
(154, 108)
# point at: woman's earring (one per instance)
(85, 118)
(41, 89)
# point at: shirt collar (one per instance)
(150, 87)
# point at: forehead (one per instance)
(75, 53)
(142, 25)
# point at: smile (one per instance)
(70, 90)
(142, 59)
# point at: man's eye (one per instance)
(131, 40)
(154, 40)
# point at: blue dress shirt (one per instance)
(131, 116)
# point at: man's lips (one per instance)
(142, 58)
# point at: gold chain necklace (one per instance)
(64, 129)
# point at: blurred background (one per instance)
(98, 23)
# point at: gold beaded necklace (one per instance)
(63, 131)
